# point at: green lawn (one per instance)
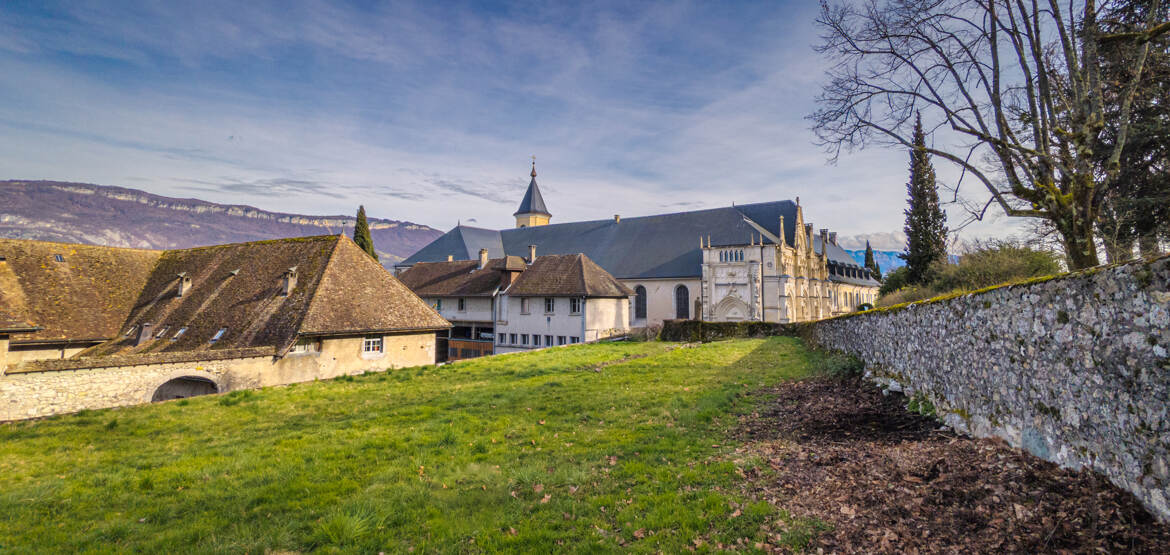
(583, 448)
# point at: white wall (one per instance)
(606, 318)
(537, 322)
(476, 309)
(660, 298)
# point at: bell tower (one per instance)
(532, 211)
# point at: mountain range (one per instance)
(121, 217)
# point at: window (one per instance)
(574, 340)
(306, 346)
(161, 331)
(130, 331)
(682, 302)
(58, 258)
(574, 306)
(439, 304)
(512, 339)
(523, 305)
(461, 305)
(524, 339)
(218, 335)
(548, 341)
(179, 333)
(639, 303)
(372, 345)
(502, 337)
(560, 340)
(549, 305)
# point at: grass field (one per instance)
(589, 448)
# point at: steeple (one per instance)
(532, 211)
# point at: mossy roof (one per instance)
(83, 297)
(236, 287)
(567, 275)
(460, 278)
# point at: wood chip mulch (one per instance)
(889, 481)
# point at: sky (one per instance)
(430, 112)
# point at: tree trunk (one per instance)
(1076, 234)
(1149, 244)
(1117, 249)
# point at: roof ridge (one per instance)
(324, 237)
(64, 244)
(735, 207)
(312, 295)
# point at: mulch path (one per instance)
(889, 481)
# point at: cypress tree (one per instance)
(871, 263)
(926, 223)
(361, 233)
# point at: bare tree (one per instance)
(1016, 82)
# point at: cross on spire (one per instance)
(533, 165)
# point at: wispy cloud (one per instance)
(427, 112)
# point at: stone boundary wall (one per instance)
(1075, 369)
(46, 393)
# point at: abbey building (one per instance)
(742, 262)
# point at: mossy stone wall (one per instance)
(1076, 369)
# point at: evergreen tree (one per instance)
(926, 223)
(871, 263)
(361, 233)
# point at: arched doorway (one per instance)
(682, 302)
(639, 303)
(181, 388)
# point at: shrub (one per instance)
(895, 279)
(995, 262)
(990, 263)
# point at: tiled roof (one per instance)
(357, 294)
(661, 246)
(567, 275)
(239, 288)
(460, 278)
(84, 297)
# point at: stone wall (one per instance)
(47, 387)
(1075, 370)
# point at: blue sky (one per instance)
(429, 111)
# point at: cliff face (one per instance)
(116, 216)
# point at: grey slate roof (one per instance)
(660, 246)
(533, 203)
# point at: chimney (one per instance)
(833, 237)
(531, 254)
(184, 284)
(289, 282)
(143, 334)
(450, 257)
(617, 218)
(483, 258)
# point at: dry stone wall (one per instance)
(37, 394)
(1075, 370)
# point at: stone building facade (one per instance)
(744, 262)
(196, 321)
(515, 304)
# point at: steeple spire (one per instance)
(532, 211)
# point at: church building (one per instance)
(759, 262)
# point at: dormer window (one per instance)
(179, 333)
(218, 335)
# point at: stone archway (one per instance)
(183, 387)
(731, 309)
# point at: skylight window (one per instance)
(130, 331)
(162, 331)
(179, 333)
(218, 335)
(58, 258)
